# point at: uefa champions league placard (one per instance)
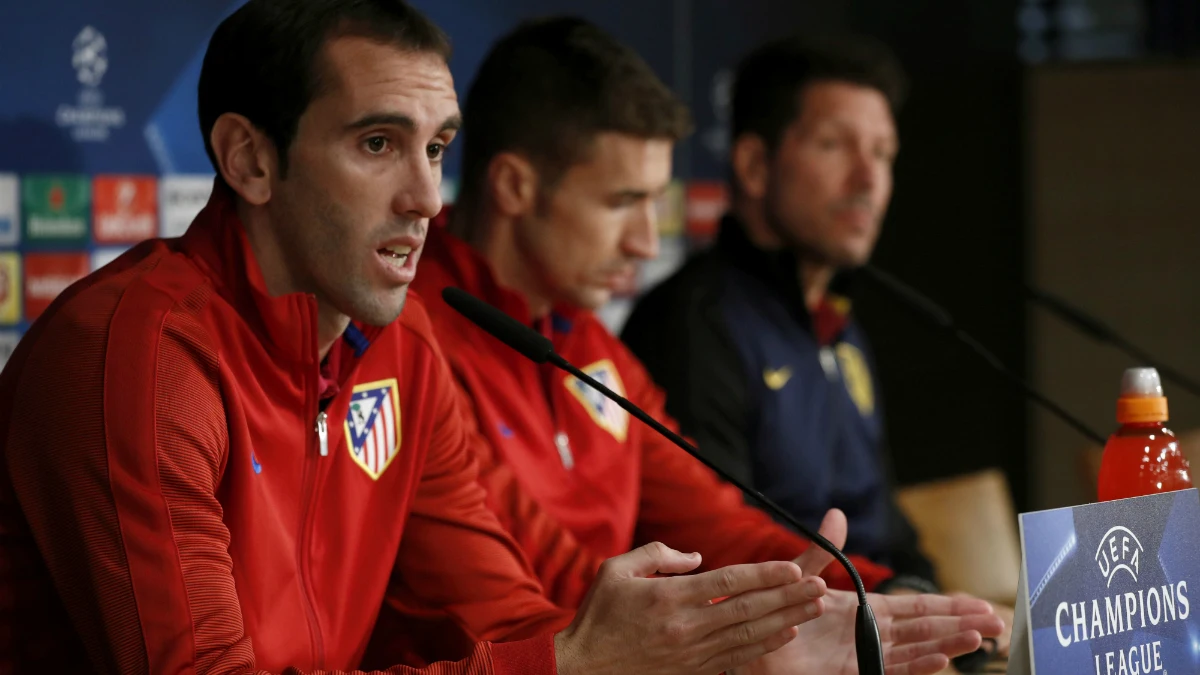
(1110, 589)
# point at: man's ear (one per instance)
(751, 165)
(246, 158)
(512, 184)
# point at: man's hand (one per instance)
(815, 559)
(1005, 639)
(629, 623)
(920, 634)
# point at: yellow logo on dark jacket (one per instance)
(857, 377)
(776, 378)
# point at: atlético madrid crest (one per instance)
(373, 426)
(604, 412)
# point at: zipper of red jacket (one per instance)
(550, 375)
(312, 455)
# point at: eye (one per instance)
(376, 144)
(435, 151)
(828, 143)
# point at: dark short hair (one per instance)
(547, 88)
(770, 80)
(264, 60)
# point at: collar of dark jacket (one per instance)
(778, 269)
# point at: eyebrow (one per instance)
(631, 193)
(452, 123)
(634, 194)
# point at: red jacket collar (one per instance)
(216, 241)
(463, 266)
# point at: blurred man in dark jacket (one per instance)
(753, 340)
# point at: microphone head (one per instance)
(532, 344)
(867, 646)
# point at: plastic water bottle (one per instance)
(1142, 456)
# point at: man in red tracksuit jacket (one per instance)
(223, 452)
(569, 473)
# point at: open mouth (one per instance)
(395, 255)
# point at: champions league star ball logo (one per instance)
(90, 59)
(89, 119)
(1119, 550)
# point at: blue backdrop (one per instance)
(91, 90)
(136, 112)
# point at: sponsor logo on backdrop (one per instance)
(89, 119)
(8, 343)
(125, 208)
(10, 287)
(10, 209)
(707, 201)
(47, 275)
(669, 208)
(180, 199)
(56, 207)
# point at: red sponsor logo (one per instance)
(47, 275)
(707, 201)
(124, 208)
(57, 197)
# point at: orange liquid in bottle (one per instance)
(1142, 457)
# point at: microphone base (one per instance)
(866, 642)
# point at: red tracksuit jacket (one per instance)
(173, 499)
(569, 473)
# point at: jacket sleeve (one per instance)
(564, 567)
(688, 507)
(116, 448)
(455, 556)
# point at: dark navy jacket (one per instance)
(730, 339)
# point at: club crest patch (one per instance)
(610, 416)
(857, 377)
(373, 426)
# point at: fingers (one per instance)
(935, 627)
(738, 579)
(926, 665)
(732, 658)
(911, 606)
(756, 630)
(757, 604)
(652, 558)
(949, 646)
(815, 559)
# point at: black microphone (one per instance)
(935, 314)
(539, 349)
(1101, 332)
